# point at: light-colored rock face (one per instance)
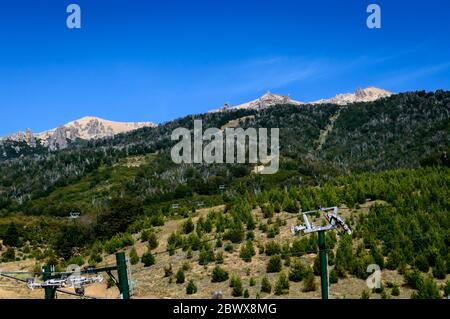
(361, 95)
(86, 128)
(267, 100)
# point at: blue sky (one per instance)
(157, 60)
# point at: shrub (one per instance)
(309, 283)
(148, 259)
(282, 285)
(219, 274)
(297, 271)
(266, 286)
(175, 240)
(316, 266)
(414, 279)
(272, 248)
(110, 283)
(421, 263)
(333, 277)
(237, 287)
(76, 260)
(273, 231)
(246, 294)
(287, 261)
(11, 237)
(274, 264)
(146, 234)
(331, 258)
(186, 266)
(194, 242)
(247, 251)
(152, 241)
(94, 259)
(134, 258)
(206, 256)
(261, 248)
(428, 290)
(180, 276)
(447, 288)
(267, 211)
(219, 258)
(191, 288)
(365, 294)
(236, 233)
(439, 270)
(188, 226)
(9, 255)
(168, 271)
(252, 282)
(189, 253)
(157, 220)
(395, 290)
(229, 247)
(117, 242)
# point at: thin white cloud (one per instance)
(410, 75)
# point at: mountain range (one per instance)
(384, 163)
(86, 128)
(91, 128)
(270, 99)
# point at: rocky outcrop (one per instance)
(86, 128)
(361, 95)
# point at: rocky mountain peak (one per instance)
(87, 128)
(360, 95)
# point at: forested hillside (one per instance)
(392, 152)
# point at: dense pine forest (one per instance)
(390, 156)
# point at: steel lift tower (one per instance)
(334, 222)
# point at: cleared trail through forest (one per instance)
(328, 129)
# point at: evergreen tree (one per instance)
(439, 270)
(297, 271)
(180, 278)
(134, 258)
(309, 282)
(334, 277)
(191, 288)
(152, 241)
(274, 264)
(148, 259)
(237, 287)
(188, 226)
(282, 285)
(11, 237)
(219, 274)
(247, 251)
(428, 290)
(266, 286)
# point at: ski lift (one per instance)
(71, 282)
(74, 215)
(330, 214)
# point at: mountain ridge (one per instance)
(269, 99)
(86, 128)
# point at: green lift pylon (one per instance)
(50, 292)
(335, 222)
(122, 273)
(323, 264)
